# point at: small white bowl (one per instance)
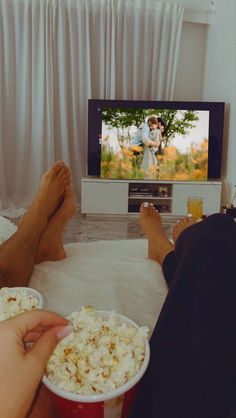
(30, 291)
(34, 293)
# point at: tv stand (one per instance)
(123, 197)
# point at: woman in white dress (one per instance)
(151, 144)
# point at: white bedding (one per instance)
(107, 274)
(7, 229)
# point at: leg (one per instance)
(158, 244)
(169, 267)
(17, 254)
(192, 371)
(51, 248)
(50, 245)
(160, 248)
(169, 264)
(181, 226)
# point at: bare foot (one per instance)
(51, 190)
(51, 245)
(158, 244)
(52, 186)
(181, 226)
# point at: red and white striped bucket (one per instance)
(114, 404)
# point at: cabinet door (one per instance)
(104, 197)
(211, 194)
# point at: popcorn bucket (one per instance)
(117, 403)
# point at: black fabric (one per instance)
(169, 267)
(192, 370)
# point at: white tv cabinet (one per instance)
(122, 197)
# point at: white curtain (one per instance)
(54, 56)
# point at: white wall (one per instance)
(191, 63)
(207, 71)
(220, 79)
(195, 4)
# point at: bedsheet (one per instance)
(110, 275)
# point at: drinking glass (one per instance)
(195, 207)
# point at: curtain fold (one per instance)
(57, 54)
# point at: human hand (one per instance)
(21, 368)
(153, 143)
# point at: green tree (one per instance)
(177, 122)
(123, 118)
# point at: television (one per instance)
(155, 140)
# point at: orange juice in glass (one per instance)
(195, 207)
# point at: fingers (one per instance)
(44, 346)
(36, 320)
(33, 336)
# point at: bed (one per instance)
(110, 275)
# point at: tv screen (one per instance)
(155, 140)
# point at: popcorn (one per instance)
(14, 301)
(99, 355)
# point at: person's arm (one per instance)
(151, 139)
(152, 143)
(21, 369)
(145, 134)
(156, 137)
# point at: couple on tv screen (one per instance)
(158, 144)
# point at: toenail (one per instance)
(146, 205)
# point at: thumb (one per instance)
(44, 346)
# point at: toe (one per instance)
(144, 208)
(69, 190)
(62, 172)
(57, 167)
(152, 210)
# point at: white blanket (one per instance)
(110, 275)
(7, 229)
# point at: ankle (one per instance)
(54, 254)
